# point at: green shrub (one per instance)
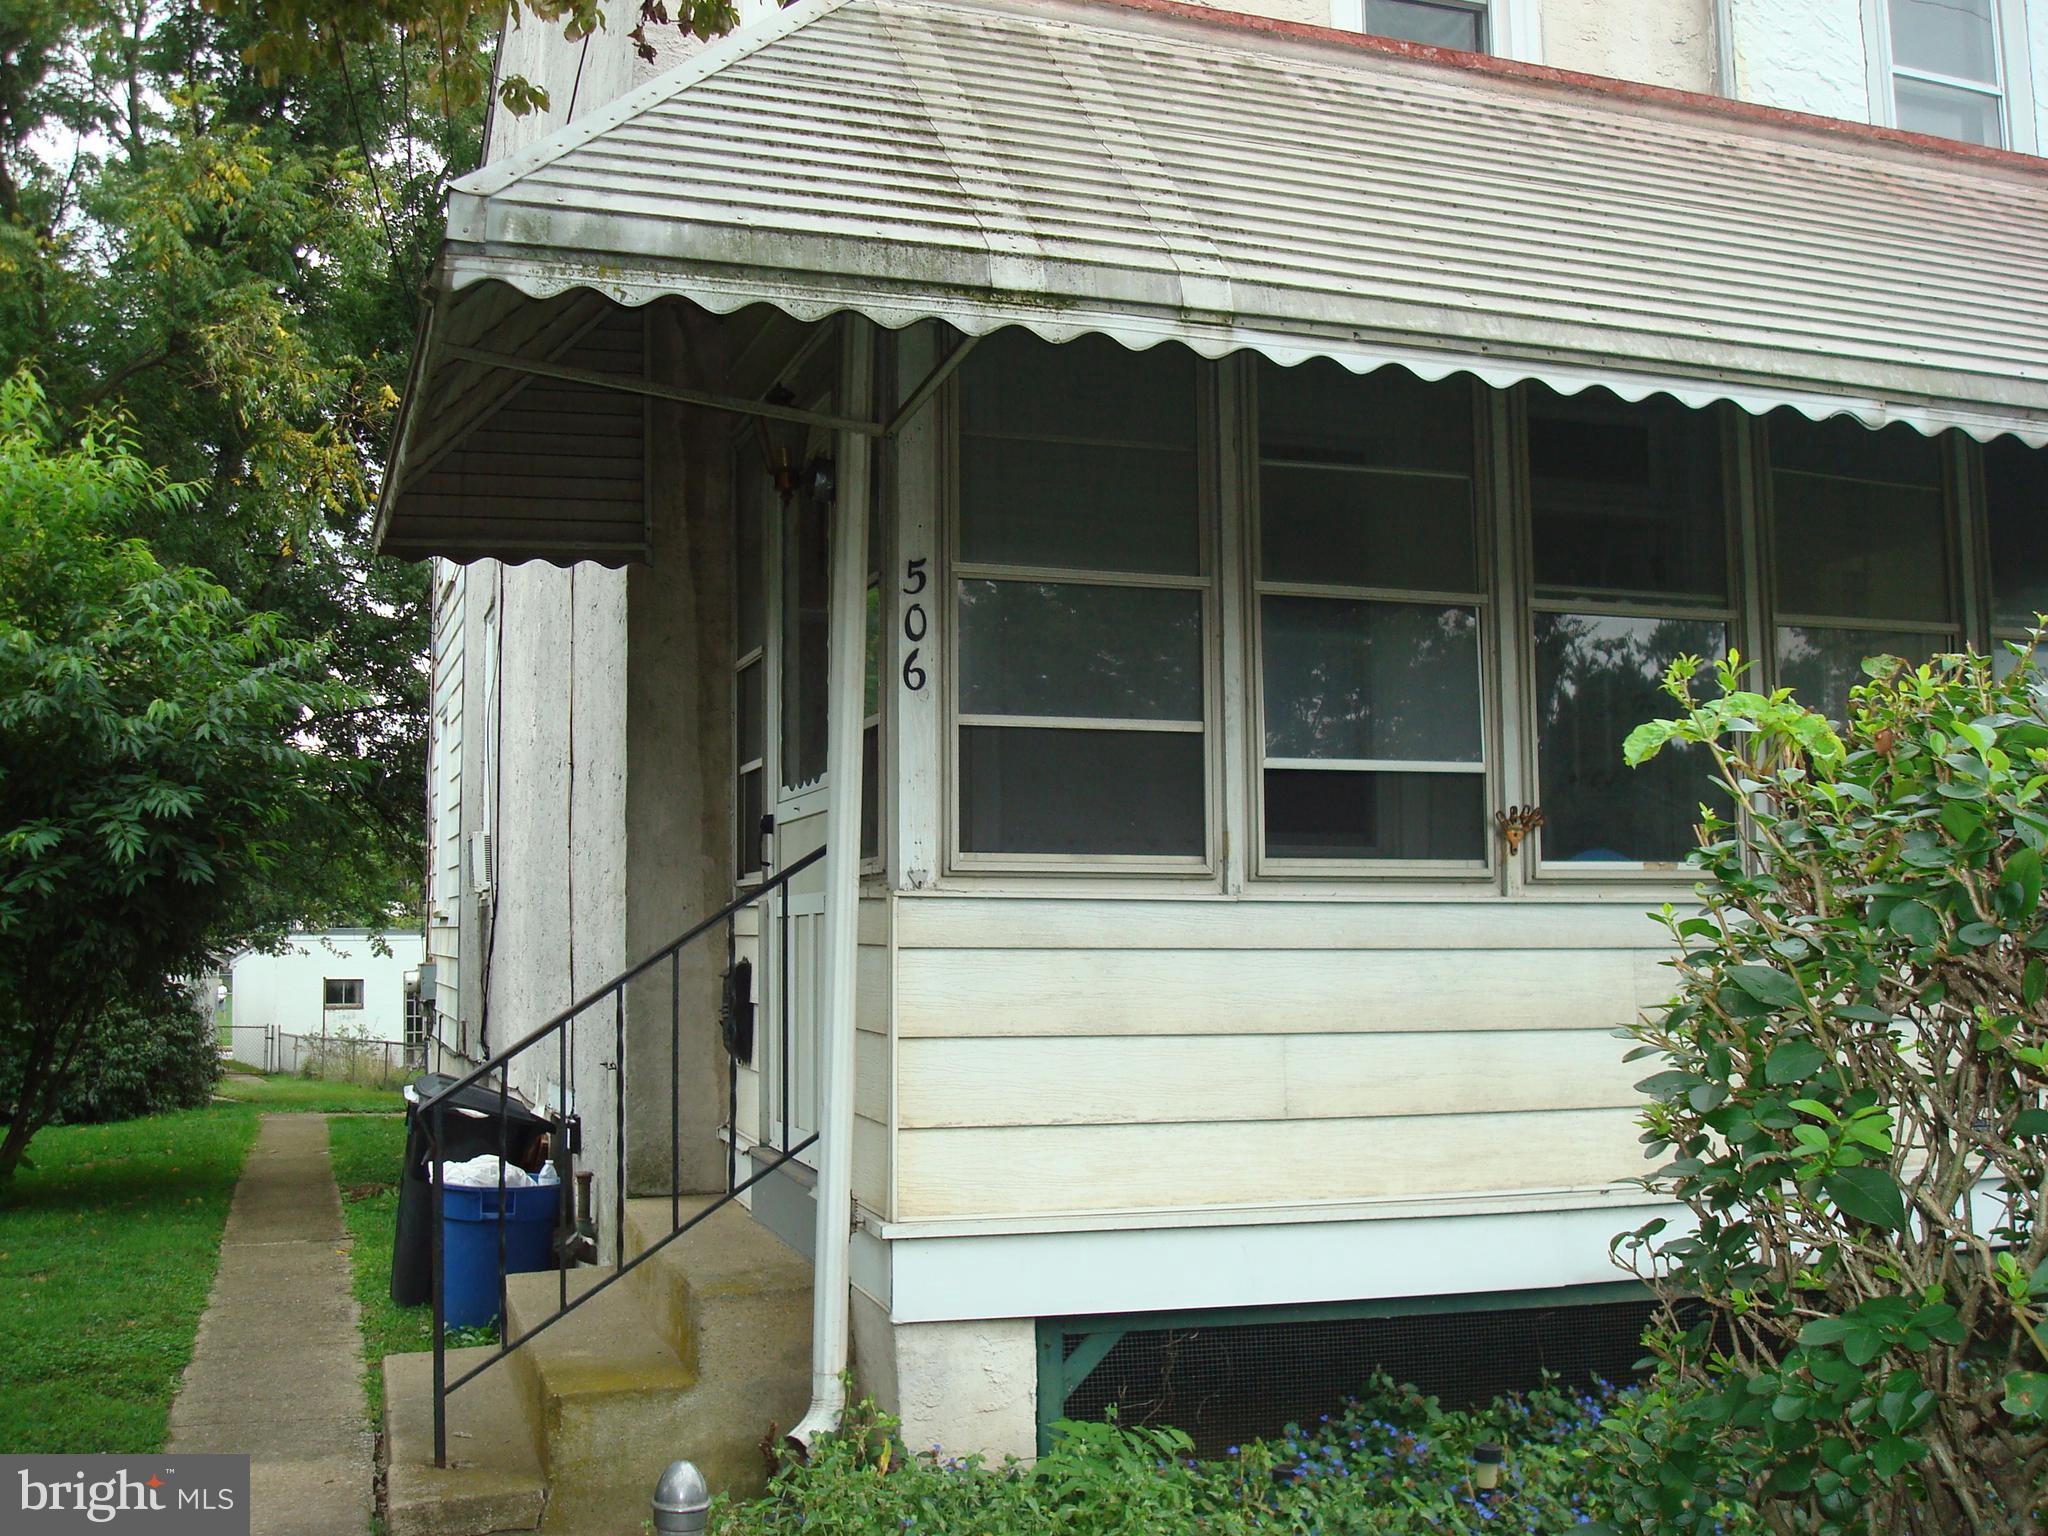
(1857, 1054)
(140, 1057)
(1392, 1463)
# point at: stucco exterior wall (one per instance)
(1802, 55)
(1658, 42)
(964, 1388)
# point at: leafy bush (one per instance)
(1854, 1063)
(1391, 1464)
(140, 1057)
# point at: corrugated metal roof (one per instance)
(1073, 167)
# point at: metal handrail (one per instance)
(433, 1111)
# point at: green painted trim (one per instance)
(1348, 1311)
(1052, 1378)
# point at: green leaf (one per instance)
(2034, 983)
(1792, 1061)
(1893, 1454)
(1768, 985)
(1868, 1194)
(2020, 893)
(1915, 920)
(2026, 1395)
(2031, 1122)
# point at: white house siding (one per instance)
(1069, 1056)
(1802, 55)
(444, 808)
(286, 991)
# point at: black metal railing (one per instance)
(565, 1128)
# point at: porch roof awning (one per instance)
(1153, 172)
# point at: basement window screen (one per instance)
(1862, 552)
(1234, 1382)
(1082, 593)
(1370, 683)
(1632, 567)
(1458, 24)
(1947, 68)
(342, 992)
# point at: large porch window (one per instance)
(1370, 683)
(1446, 608)
(1631, 558)
(1081, 591)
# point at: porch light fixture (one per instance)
(782, 449)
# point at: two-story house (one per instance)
(1149, 501)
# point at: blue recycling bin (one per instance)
(469, 1245)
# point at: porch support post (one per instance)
(845, 706)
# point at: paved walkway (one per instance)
(277, 1369)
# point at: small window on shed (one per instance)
(344, 992)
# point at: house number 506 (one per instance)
(916, 624)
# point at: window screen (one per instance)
(1082, 595)
(1369, 602)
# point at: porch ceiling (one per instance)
(1151, 172)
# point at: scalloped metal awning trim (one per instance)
(1152, 175)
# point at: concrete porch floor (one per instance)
(702, 1352)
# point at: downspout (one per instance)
(1724, 48)
(845, 701)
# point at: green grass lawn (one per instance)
(108, 1248)
(287, 1093)
(367, 1153)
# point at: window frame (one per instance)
(954, 570)
(1514, 28)
(1962, 535)
(1735, 614)
(328, 983)
(1486, 601)
(2013, 91)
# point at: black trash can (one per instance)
(463, 1136)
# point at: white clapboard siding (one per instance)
(1161, 1079)
(871, 1165)
(956, 992)
(871, 1078)
(1043, 1170)
(968, 922)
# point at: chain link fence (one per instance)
(333, 1057)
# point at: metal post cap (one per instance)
(682, 1501)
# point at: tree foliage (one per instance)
(1852, 1097)
(234, 259)
(154, 748)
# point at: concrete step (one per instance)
(494, 1480)
(703, 1351)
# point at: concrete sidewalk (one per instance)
(276, 1372)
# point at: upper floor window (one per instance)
(1440, 23)
(1948, 69)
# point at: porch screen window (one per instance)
(806, 637)
(1860, 553)
(341, 992)
(1369, 601)
(1631, 563)
(2016, 510)
(1947, 74)
(1082, 595)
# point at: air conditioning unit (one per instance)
(481, 873)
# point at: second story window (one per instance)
(1948, 74)
(1440, 23)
